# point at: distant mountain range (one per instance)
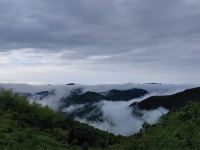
(121, 111)
(90, 109)
(107, 107)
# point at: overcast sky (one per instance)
(100, 41)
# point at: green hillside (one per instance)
(179, 130)
(25, 126)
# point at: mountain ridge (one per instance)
(171, 102)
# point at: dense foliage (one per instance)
(25, 126)
(30, 126)
(178, 130)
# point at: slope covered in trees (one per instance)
(30, 126)
(179, 130)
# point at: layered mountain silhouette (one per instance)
(170, 102)
(39, 95)
(90, 109)
(104, 106)
(31, 125)
(78, 97)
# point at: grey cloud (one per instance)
(101, 25)
(155, 33)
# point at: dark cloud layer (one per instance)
(155, 35)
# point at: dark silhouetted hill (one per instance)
(171, 102)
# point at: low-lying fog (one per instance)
(118, 116)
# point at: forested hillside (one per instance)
(27, 126)
(178, 130)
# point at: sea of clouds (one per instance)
(118, 117)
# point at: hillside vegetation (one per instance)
(25, 126)
(179, 130)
